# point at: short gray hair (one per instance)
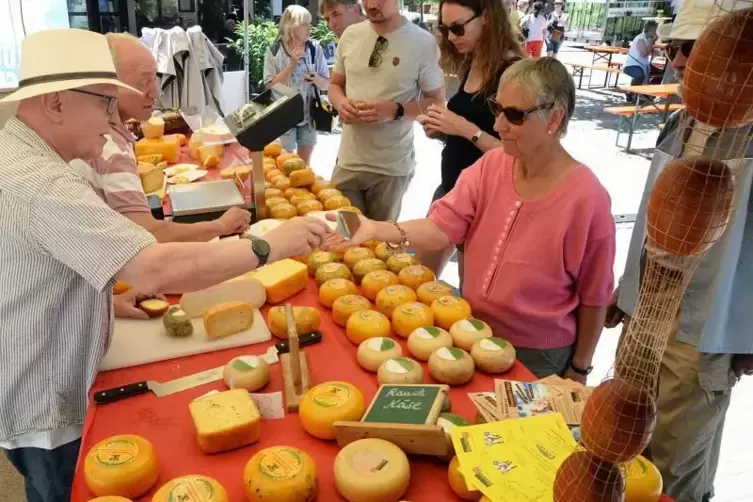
(547, 81)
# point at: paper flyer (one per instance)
(528, 399)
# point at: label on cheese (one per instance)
(450, 353)
(449, 301)
(280, 463)
(329, 268)
(493, 344)
(428, 333)
(116, 452)
(380, 344)
(190, 489)
(395, 290)
(368, 462)
(399, 365)
(246, 363)
(436, 287)
(339, 284)
(331, 395)
(354, 300)
(411, 309)
(471, 324)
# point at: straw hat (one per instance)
(57, 60)
(694, 15)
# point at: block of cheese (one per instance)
(281, 473)
(191, 488)
(228, 318)
(371, 470)
(209, 151)
(246, 372)
(154, 128)
(225, 421)
(282, 279)
(241, 289)
(194, 144)
(151, 177)
(327, 403)
(124, 465)
(168, 146)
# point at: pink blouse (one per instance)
(529, 264)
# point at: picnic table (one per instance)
(604, 52)
(630, 114)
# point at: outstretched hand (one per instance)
(336, 242)
(124, 304)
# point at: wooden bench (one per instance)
(579, 69)
(629, 115)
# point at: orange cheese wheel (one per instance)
(430, 291)
(410, 316)
(296, 199)
(283, 211)
(280, 473)
(334, 289)
(320, 185)
(335, 202)
(272, 173)
(318, 258)
(458, 484)
(273, 201)
(280, 182)
(354, 255)
(331, 271)
(367, 324)
(397, 262)
(393, 296)
(415, 275)
(347, 305)
(382, 251)
(365, 266)
(326, 193)
(309, 205)
(295, 191)
(272, 192)
(373, 282)
(450, 309)
(123, 465)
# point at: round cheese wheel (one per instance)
(124, 465)
(320, 185)
(280, 182)
(273, 173)
(347, 305)
(374, 351)
(458, 484)
(191, 488)
(335, 202)
(422, 342)
(493, 355)
(308, 206)
(365, 266)
(373, 282)
(280, 473)
(272, 192)
(327, 403)
(371, 470)
(415, 275)
(334, 289)
(367, 324)
(466, 332)
(326, 193)
(430, 291)
(246, 372)
(109, 498)
(450, 309)
(332, 271)
(354, 255)
(307, 319)
(298, 198)
(451, 365)
(318, 258)
(274, 201)
(400, 370)
(397, 262)
(383, 251)
(393, 296)
(292, 191)
(408, 317)
(283, 211)
(643, 482)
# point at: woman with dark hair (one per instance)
(477, 44)
(533, 27)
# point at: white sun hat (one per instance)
(694, 15)
(62, 59)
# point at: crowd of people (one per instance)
(75, 219)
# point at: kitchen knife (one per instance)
(191, 381)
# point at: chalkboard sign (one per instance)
(407, 404)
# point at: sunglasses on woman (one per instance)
(515, 116)
(457, 29)
(675, 48)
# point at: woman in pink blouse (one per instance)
(537, 227)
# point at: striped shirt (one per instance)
(113, 174)
(61, 247)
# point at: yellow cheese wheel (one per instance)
(383, 251)
(450, 309)
(318, 258)
(336, 202)
(320, 185)
(410, 316)
(374, 351)
(458, 484)
(191, 488)
(298, 198)
(327, 403)
(466, 332)
(273, 173)
(280, 181)
(354, 255)
(283, 211)
(334, 289)
(430, 291)
(365, 266)
(373, 282)
(272, 192)
(422, 342)
(307, 319)
(400, 370)
(347, 305)
(331, 271)
(281, 474)
(367, 324)
(493, 355)
(124, 465)
(451, 365)
(371, 470)
(326, 193)
(415, 275)
(643, 482)
(290, 192)
(397, 262)
(154, 128)
(393, 296)
(273, 201)
(246, 372)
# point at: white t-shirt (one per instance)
(536, 26)
(409, 65)
(634, 57)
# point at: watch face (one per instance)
(261, 247)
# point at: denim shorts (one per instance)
(553, 46)
(304, 135)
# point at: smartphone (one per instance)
(347, 223)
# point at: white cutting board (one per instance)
(137, 342)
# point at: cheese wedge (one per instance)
(228, 319)
(151, 176)
(241, 289)
(225, 421)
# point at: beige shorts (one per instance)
(379, 196)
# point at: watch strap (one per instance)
(261, 251)
(585, 372)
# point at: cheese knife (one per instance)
(162, 389)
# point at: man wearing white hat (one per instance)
(62, 249)
(711, 347)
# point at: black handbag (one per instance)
(322, 113)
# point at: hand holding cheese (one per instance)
(235, 221)
(297, 236)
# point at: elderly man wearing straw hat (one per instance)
(62, 249)
(711, 347)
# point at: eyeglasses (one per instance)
(457, 29)
(381, 44)
(515, 116)
(112, 101)
(675, 48)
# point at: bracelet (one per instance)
(404, 243)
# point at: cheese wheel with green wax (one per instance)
(400, 370)
(374, 351)
(466, 332)
(493, 355)
(452, 366)
(246, 372)
(423, 341)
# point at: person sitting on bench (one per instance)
(638, 63)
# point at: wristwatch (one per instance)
(477, 136)
(585, 372)
(400, 111)
(260, 247)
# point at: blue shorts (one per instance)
(553, 46)
(298, 136)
